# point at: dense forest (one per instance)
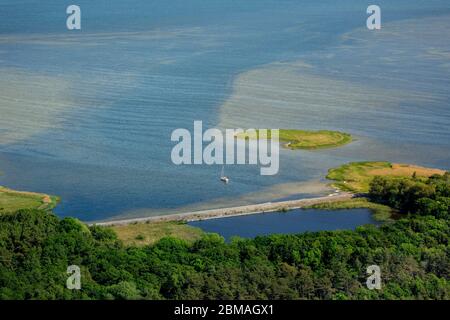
(36, 247)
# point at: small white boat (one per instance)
(224, 178)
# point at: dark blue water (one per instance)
(88, 115)
(292, 222)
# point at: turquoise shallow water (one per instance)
(88, 115)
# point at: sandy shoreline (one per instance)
(232, 211)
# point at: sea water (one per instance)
(87, 115)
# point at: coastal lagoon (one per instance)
(88, 115)
(291, 222)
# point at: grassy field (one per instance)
(11, 201)
(148, 233)
(303, 139)
(356, 176)
(380, 212)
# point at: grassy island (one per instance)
(305, 139)
(356, 176)
(11, 200)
